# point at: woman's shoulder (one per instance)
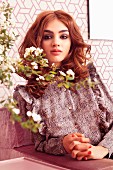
(91, 66)
(20, 90)
(92, 70)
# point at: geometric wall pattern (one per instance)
(24, 14)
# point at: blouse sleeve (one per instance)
(51, 145)
(24, 102)
(105, 103)
(43, 142)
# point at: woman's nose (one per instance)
(55, 43)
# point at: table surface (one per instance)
(65, 162)
(27, 163)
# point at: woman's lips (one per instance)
(56, 52)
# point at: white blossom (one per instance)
(70, 72)
(32, 49)
(41, 77)
(5, 3)
(38, 51)
(33, 63)
(53, 64)
(29, 113)
(35, 67)
(2, 35)
(25, 55)
(28, 51)
(1, 58)
(2, 17)
(4, 68)
(12, 68)
(37, 79)
(46, 60)
(62, 73)
(1, 48)
(36, 117)
(52, 75)
(17, 111)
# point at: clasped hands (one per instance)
(80, 148)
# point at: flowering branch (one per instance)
(7, 63)
(34, 66)
(7, 39)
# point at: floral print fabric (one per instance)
(88, 111)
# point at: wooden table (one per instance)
(61, 162)
(27, 164)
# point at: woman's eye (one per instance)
(46, 37)
(64, 36)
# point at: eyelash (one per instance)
(64, 36)
(46, 37)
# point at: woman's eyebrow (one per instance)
(49, 31)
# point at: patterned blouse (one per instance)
(88, 111)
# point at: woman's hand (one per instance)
(71, 141)
(95, 152)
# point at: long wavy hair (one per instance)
(77, 56)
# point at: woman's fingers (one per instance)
(83, 155)
(77, 145)
(73, 144)
(83, 139)
(80, 155)
(71, 140)
(80, 151)
(82, 146)
(80, 137)
(68, 139)
(78, 134)
(74, 153)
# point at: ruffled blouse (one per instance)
(88, 110)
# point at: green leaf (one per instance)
(15, 117)
(53, 72)
(66, 85)
(69, 78)
(60, 84)
(48, 77)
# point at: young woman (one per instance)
(75, 122)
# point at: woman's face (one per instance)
(56, 42)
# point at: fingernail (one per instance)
(85, 158)
(89, 152)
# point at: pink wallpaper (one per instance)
(25, 12)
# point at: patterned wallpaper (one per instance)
(25, 12)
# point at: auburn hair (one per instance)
(77, 56)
